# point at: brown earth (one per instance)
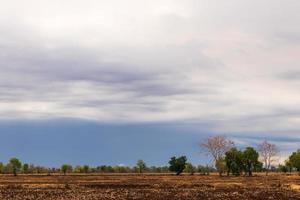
(148, 186)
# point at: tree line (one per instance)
(226, 159)
(15, 166)
(230, 160)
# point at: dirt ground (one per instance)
(148, 186)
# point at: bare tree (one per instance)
(216, 147)
(268, 153)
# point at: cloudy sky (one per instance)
(145, 73)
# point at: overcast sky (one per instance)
(229, 67)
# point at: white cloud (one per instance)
(227, 63)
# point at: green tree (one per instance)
(141, 165)
(250, 160)
(1, 167)
(220, 166)
(177, 164)
(259, 167)
(189, 168)
(66, 168)
(78, 169)
(289, 165)
(15, 165)
(110, 169)
(86, 169)
(25, 168)
(294, 160)
(102, 168)
(233, 160)
(201, 169)
(283, 168)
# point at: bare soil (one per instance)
(148, 186)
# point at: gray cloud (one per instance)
(191, 61)
(293, 75)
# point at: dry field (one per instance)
(164, 187)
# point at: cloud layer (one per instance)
(231, 64)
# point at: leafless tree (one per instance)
(216, 147)
(268, 153)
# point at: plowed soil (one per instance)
(148, 186)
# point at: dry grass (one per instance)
(131, 186)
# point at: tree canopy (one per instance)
(141, 165)
(15, 164)
(177, 164)
(294, 160)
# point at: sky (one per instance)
(110, 81)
